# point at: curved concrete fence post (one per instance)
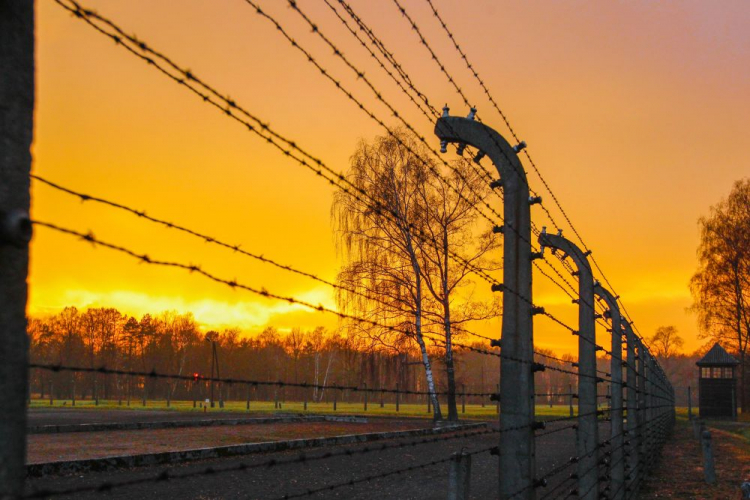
(517, 465)
(632, 423)
(643, 429)
(587, 438)
(617, 463)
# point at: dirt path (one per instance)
(76, 446)
(38, 417)
(679, 471)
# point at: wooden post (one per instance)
(463, 398)
(398, 397)
(570, 388)
(365, 384)
(482, 388)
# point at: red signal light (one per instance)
(196, 376)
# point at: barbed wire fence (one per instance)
(639, 399)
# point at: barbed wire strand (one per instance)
(526, 152)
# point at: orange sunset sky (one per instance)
(635, 112)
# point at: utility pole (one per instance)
(517, 464)
(16, 132)
(215, 373)
(587, 434)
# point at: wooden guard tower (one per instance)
(717, 385)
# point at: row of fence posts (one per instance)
(638, 424)
(640, 412)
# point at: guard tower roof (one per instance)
(717, 356)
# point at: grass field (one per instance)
(474, 411)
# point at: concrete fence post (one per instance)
(708, 458)
(650, 406)
(517, 467)
(459, 476)
(643, 431)
(617, 463)
(587, 434)
(16, 132)
(632, 422)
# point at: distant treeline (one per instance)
(176, 344)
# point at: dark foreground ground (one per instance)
(679, 473)
(277, 481)
(294, 480)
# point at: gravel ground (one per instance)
(292, 479)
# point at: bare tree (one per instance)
(449, 230)
(666, 344)
(379, 244)
(721, 285)
(400, 250)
